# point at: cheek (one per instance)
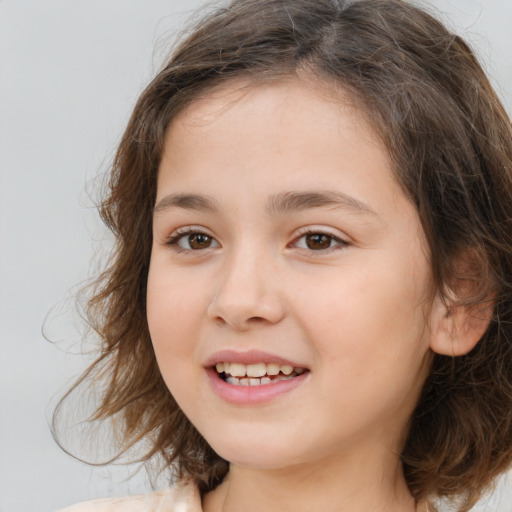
(173, 319)
(369, 321)
(169, 321)
(175, 312)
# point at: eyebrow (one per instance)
(278, 203)
(296, 201)
(187, 202)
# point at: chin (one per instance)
(256, 453)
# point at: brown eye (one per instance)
(192, 241)
(199, 241)
(318, 241)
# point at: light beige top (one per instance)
(183, 497)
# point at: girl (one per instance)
(309, 306)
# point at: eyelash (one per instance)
(333, 238)
(181, 233)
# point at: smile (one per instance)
(258, 374)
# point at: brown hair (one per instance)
(450, 141)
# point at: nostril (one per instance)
(245, 307)
(256, 319)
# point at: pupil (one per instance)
(199, 241)
(318, 241)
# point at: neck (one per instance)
(339, 486)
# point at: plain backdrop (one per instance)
(70, 72)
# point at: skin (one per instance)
(360, 315)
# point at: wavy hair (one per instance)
(450, 141)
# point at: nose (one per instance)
(248, 292)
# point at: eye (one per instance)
(318, 241)
(191, 240)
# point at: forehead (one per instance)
(297, 103)
(275, 92)
(244, 143)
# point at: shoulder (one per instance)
(183, 497)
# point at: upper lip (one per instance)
(249, 357)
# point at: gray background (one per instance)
(70, 72)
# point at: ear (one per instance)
(457, 328)
(459, 319)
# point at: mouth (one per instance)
(257, 374)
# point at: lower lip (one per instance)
(251, 395)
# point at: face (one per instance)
(289, 285)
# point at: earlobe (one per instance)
(457, 328)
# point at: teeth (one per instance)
(235, 381)
(236, 369)
(256, 370)
(272, 369)
(287, 370)
(256, 374)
